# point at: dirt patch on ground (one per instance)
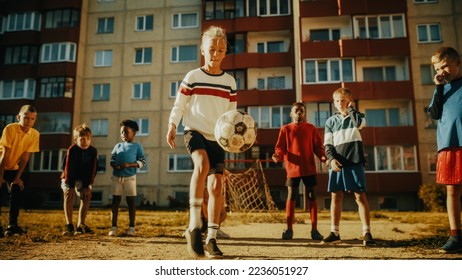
(254, 241)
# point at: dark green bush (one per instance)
(433, 197)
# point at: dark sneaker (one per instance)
(287, 234)
(368, 240)
(68, 230)
(315, 235)
(83, 229)
(194, 240)
(331, 239)
(453, 245)
(14, 230)
(212, 251)
(204, 226)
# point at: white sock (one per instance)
(195, 207)
(366, 229)
(335, 229)
(211, 231)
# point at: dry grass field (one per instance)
(399, 235)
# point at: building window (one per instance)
(432, 159)
(99, 127)
(17, 89)
(390, 158)
(105, 25)
(184, 53)
(142, 90)
(268, 7)
(228, 9)
(180, 128)
(239, 76)
(143, 125)
(380, 27)
(318, 113)
(427, 73)
(52, 87)
(47, 161)
(271, 83)
(429, 33)
(425, 1)
(330, 70)
(271, 47)
(21, 55)
(5, 120)
(382, 117)
(54, 123)
(58, 52)
(143, 56)
(23, 22)
(379, 74)
(101, 168)
(186, 20)
(179, 162)
(270, 117)
(101, 92)
(174, 86)
(62, 18)
(145, 23)
(103, 58)
(324, 35)
(236, 43)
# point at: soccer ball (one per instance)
(235, 131)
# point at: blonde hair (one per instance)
(27, 108)
(445, 53)
(81, 130)
(343, 91)
(213, 32)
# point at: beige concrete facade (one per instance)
(448, 14)
(157, 184)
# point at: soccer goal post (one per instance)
(245, 187)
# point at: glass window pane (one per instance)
(385, 27)
(322, 71)
(310, 71)
(435, 33)
(393, 117)
(395, 154)
(276, 117)
(398, 26)
(370, 159)
(422, 31)
(376, 117)
(382, 158)
(335, 70)
(373, 27)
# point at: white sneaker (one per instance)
(131, 231)
(222, 234)
(113, 231)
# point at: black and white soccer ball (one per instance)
(235, 131)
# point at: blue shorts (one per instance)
(350, 178)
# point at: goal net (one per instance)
(245, 187)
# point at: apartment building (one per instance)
(103, 61)
(40, 54)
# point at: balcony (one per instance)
(60, 35)
(396, 135)
(59, 69)
(18, 71)
(348, 7)
(258, 60)
(255, 97)
(249, 24)
(361, 90)
(322, 49)
(319, 8)
(374, 47)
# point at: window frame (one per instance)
(176, 54)
(66, 52)
(180, 20)
(329, 70)
(175, 158)
(102, 129)
(138, 91)
(428, 33)
(144, 19)
(104, 89)
(105, 55)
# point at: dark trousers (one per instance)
(15, 196)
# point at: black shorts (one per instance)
(196, 141)
(308, 181)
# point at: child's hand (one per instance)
(275, 157)
(336, 165)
